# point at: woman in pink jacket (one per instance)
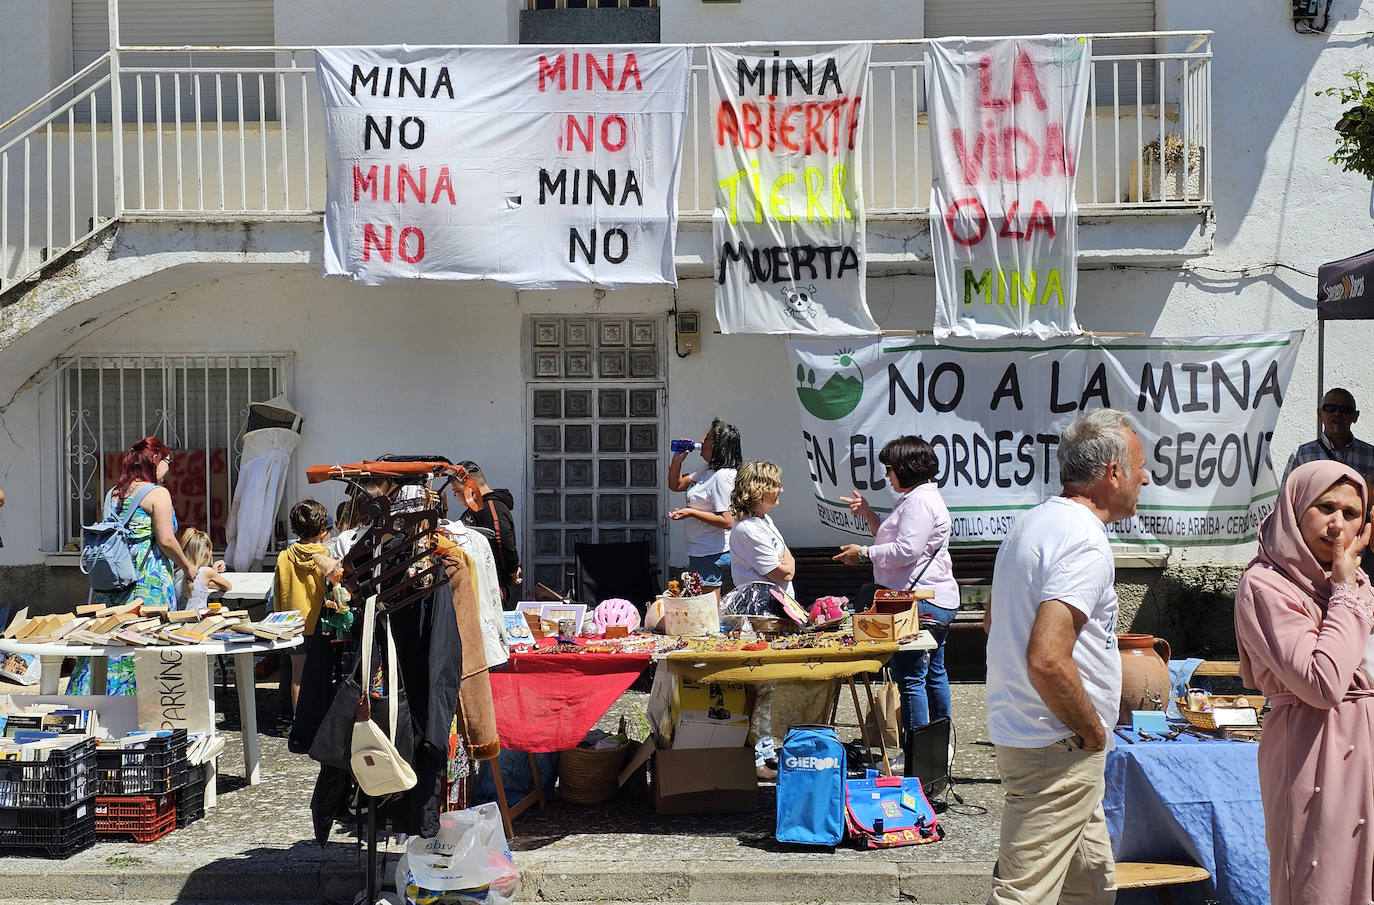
(1304, 612)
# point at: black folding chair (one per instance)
(611, 570)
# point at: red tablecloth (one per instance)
(548, 702)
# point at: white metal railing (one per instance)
(237, 131)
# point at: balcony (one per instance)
(201, 133)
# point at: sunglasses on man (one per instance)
(1333, 409)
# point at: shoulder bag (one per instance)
(377, 766)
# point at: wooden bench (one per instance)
(1218, 668)
(818, 575)
(1157, 876)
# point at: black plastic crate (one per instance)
(64, 779)
(155, 769)
(191, 796)
(58, 832)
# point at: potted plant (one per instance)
(1355, 128)
(1177, 182)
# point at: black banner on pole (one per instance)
(1345, 288)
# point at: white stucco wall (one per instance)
(35, 51)
(1278, 201)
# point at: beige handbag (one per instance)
(377, 766)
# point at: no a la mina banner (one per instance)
(993, 414)
(788, 225)
(1006, 118)
(535, 166)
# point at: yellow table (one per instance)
(804, 664)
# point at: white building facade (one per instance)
(161, 269)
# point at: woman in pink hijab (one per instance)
(1304, 612)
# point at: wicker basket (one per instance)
(1202, 719)
(591, 776)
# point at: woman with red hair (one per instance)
(152, 541)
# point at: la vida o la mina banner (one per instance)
(535, 166)
(1006, 118)
(993, 414)
(788, 225)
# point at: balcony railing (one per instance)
(237, 131)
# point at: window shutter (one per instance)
(988, 18)
(176, 23)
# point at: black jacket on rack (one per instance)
(429, 657)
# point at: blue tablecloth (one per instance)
(1190, 801)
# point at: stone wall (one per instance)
(1190, 606)
(42, 588)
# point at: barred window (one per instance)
(586, 4)
(196, 404)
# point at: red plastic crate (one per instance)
(144, 817)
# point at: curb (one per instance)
(791, 880)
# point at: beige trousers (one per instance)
(1054, 836)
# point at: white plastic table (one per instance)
(247, 586)
(52, 654)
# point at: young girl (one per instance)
(193, 591)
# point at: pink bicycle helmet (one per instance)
(615, 611)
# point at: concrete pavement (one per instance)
(258, 845)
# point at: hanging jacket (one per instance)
(495, 643)
(477, 710)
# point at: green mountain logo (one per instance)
(838, 395)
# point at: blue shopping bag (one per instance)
(811, 787)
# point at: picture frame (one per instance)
(556, 612)
(517, 628)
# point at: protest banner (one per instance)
(534, 166)
(993, 414)
(788, 225)
(1006, 117)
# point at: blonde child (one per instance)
(300, 580)
(193, 591)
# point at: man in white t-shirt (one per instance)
(1054, 674)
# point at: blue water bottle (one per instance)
(684, 446)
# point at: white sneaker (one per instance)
(898, 762)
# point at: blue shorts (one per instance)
(713, 568)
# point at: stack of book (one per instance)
(38, 722)
(136, 625)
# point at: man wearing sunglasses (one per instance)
(1336, 414)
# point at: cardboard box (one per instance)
(705, 781)
(695, 730)
(710, 715)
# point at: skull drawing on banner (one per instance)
(799, 302)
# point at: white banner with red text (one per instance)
(1006, 118)
(993, 413)
(788, 225)
(536, 166)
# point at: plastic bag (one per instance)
(761, 598)
(469, 861)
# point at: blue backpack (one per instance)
(811, 787)
(105, 553)
(888, 811)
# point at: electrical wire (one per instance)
(1242, 272)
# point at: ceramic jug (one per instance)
(1144, 674)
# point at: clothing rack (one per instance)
(393, 559)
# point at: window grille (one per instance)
(587, 4)
(196, 404)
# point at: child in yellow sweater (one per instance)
(300, 581)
